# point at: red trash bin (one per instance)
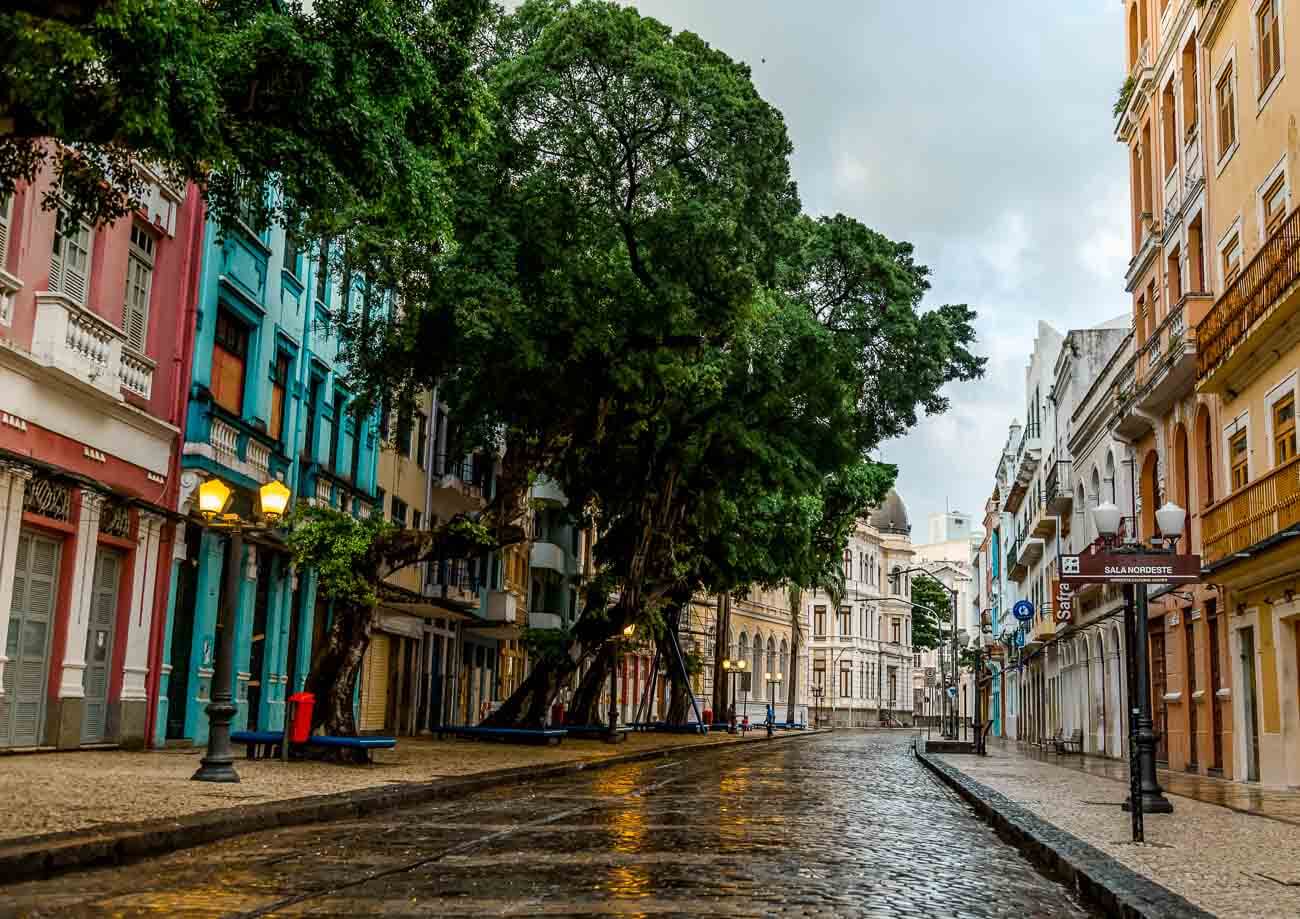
(300, 726)
(557, 715)
(708, 716)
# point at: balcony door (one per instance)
(1159, 707)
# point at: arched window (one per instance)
(772, 666)
(743, 651)
(1132, 36)
(1109, 482)
(757, 665)
(1204, 457)
(1150, 492)
(1182, 485)
(896, 580)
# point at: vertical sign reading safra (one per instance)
(1064, 594)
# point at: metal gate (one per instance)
(31, 621)
(99, 645)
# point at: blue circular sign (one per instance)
(1023, 610)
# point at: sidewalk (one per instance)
(1233, 861)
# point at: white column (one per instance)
(13, 485)
(72, 678)
(144, 580)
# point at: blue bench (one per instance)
(368, 744)
(508, 735)
(260, 744)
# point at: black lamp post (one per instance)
(733, 668)
(218, 764)
(817, 691)
(1145, 794)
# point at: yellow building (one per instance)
(1248, 353)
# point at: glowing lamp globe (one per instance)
(274, 496)
(213, 495)
(1106, 516)
(1171, 519)
(629, 631)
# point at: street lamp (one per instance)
(961, 640)
(817, 690)
(218, 764)
(734, 668)
(1145, 794)
(772, 679)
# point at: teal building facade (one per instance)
(267, 400)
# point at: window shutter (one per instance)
(139, 278)
(70, 261)
(5, 202)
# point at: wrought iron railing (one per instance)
(1270, 274)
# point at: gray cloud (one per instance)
(981, 132)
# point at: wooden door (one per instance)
(31, 621)
(1159, 708)
(1216, 682)
(1193, 705)
(99, 645)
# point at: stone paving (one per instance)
(56, 792)
(1230, 863)
(843, 824)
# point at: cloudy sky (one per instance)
(979, 131)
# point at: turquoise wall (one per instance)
(249, 277)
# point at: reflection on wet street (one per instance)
(847, 824)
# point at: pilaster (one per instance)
(13, 486)
(133, 702)
(244, 614)
(180, 553)
(203, 647)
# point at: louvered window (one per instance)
(70, 260)
(139, 281)
(6, 210)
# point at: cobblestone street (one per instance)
(842, 824)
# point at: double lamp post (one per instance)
(218, 765)
(1136, 565)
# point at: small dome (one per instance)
(890, 516)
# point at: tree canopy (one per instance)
(343, 107)
(931, 617)
(631, 298)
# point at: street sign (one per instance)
(1143, 568)
(1064, 601)
(931, 677)
(1023, 610)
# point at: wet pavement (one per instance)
(1244, 797)
(845, 824)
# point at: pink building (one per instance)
(96, 327)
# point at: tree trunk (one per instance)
(721, 650)
(586, 708)
(796, 633)
(333, 677)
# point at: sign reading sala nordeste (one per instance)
(1143, 568)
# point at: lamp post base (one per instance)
(1153, 802)
(215, 770)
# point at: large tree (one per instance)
(341, 106)
(632, 302)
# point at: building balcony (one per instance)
(548, 555)
(1043, 628)
(87, 349)
(456, 489)
(1044, 524)
(1146, 253)
(1163, 370)
(454, 582)
(1253, 321)
(1028, 551)
(545, 621)
(1243, 523)
(1173, 201)
(1029, 453)
(1193, 165)
(1060, 498)
(547, 491)
(502, 607)
(1143, 73)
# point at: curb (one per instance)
(1097, 878)
(37, 857)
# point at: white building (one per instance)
(860, 656)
